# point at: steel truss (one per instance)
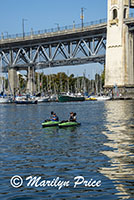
(55, 53)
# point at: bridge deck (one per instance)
(72, 46)
(53, 36)
(65, 32)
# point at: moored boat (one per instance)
(103, 98)
(54, 97)
(91, 98)
(42, 99)
(98, 98)
(4, 100)
(66, 98)
(25, 100)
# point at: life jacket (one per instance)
(55, 118)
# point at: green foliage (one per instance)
(61, 82)
(103, 77)
(22, 83)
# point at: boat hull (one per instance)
(65, 98)
(98, 98)
(26, 102)
(43, 99)
(91, 99)
(105, 98)
(50, 123)
(4, 100)
(68, 124)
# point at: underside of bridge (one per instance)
(77, 46)
(63, 48)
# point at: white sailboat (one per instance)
(3, 98)
(42, 99)
(102, 98)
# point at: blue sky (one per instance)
(43, 14)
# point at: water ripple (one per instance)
(102, 148)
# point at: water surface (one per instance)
(102, 148)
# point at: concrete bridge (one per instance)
(108, 42)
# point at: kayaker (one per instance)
(55, 117)
(71, 119)
(51, 116)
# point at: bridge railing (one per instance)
(51, 30)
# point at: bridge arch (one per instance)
(125, 13)
(115, 13)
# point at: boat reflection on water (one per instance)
(56, 130)
(70, 129)
(120, 138)
(51, 130)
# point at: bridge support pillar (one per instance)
(119, 69)
(12, 78)
(31, 80)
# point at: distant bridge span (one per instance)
(63, 47)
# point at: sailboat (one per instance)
(99, 91)
(25, 99)
(103, 98)
(40, 97)
(4, 100)
(71, 96)
(3, 97)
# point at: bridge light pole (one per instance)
(23, 30)
(82, 17)
(6, 33)
(73, 24)
(32, 32)
(2, 36)
(58, 27)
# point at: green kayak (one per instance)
(68, 124)
(50, 123)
